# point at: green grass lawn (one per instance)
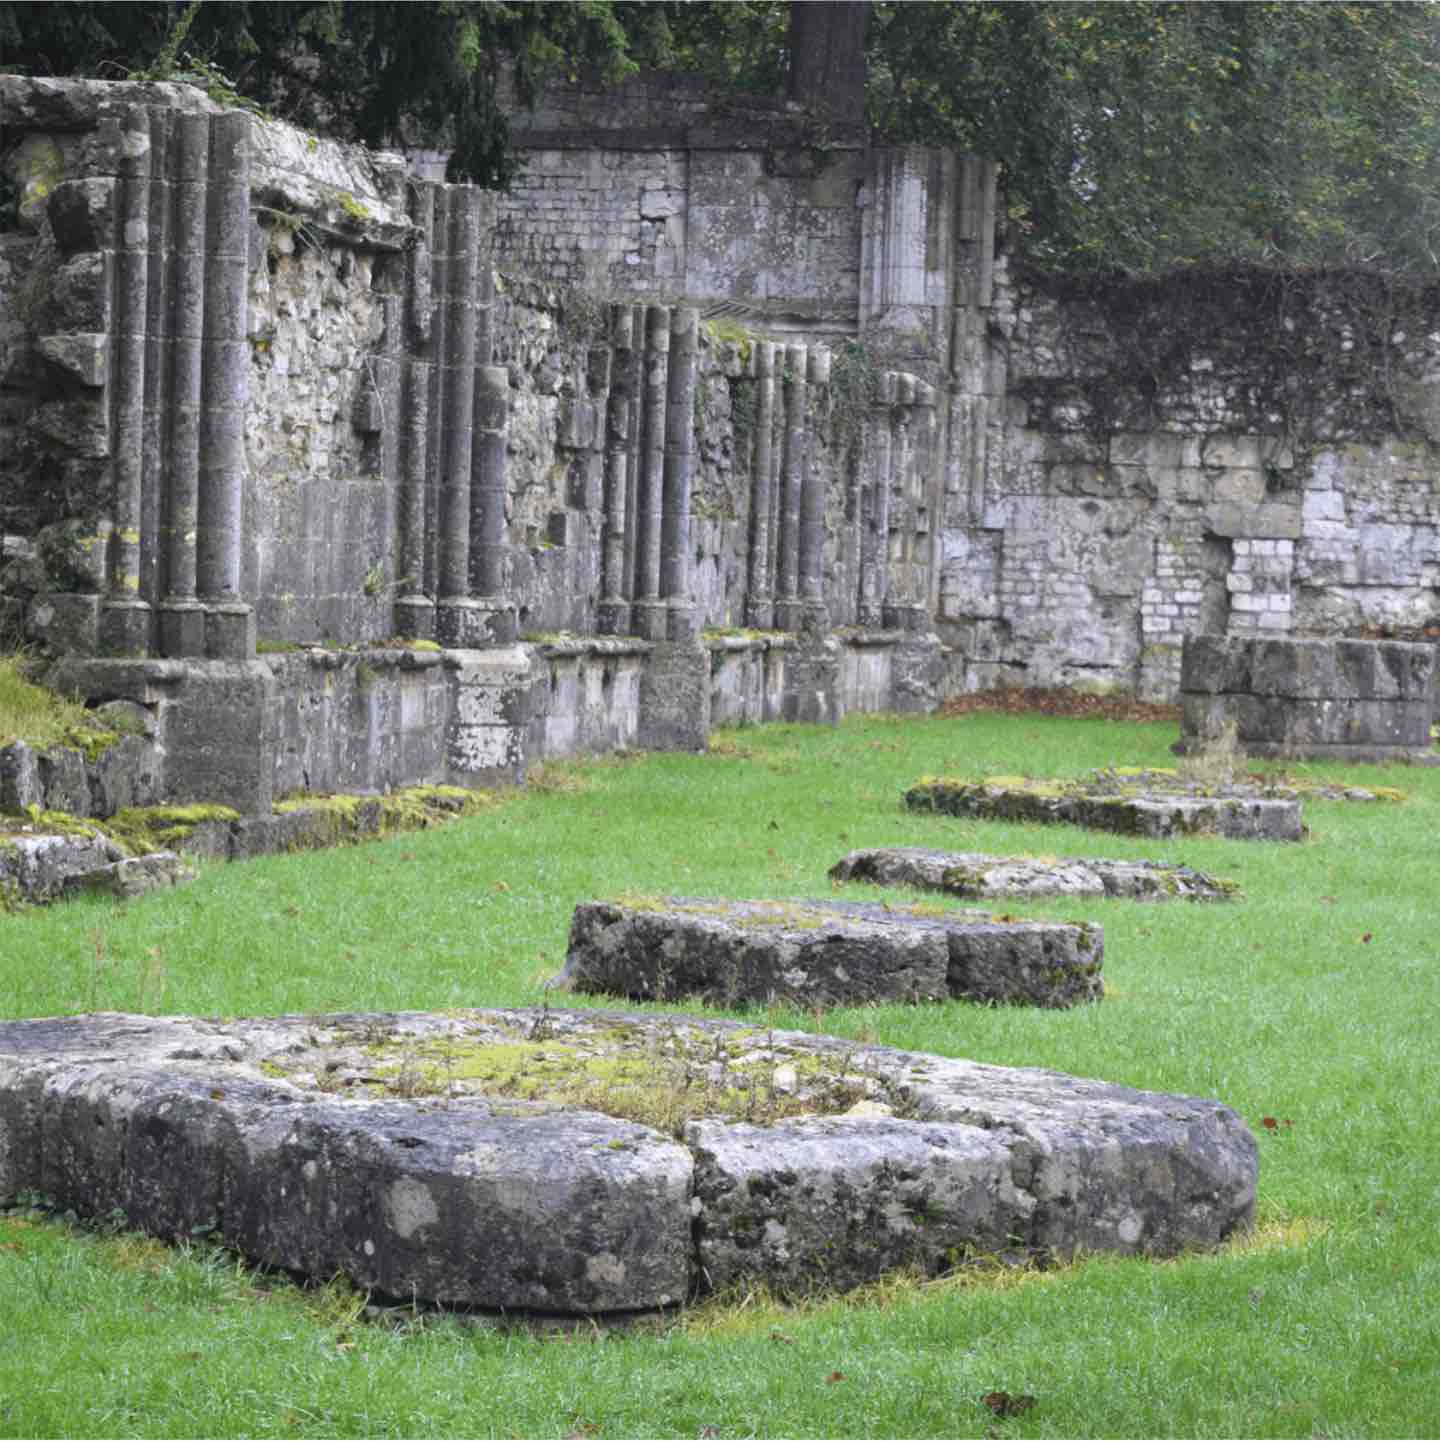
(1313, 1002)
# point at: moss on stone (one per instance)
(140, 829)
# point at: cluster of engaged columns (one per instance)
(648, 473)
(165, 235)
(450, 547)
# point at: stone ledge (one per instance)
(490, 1201)
(974, 876)
(826, 953)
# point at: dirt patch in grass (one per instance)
(1021, 700)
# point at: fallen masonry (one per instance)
(591, 1162)
(1138, 803)
(826, 953)
(974, 875)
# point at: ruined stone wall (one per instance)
(1241, 453)
(259, 387)
(658, 188)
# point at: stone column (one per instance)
(182, 616)
(760, 600)
(875, 538)
(635, 387)
(454, 624)
(414, 609)
(124, 615)
(613, 618)
(787, 600)
(679, 464)
(492, 614)
(648, 614)
(814, 613)
(229, 620)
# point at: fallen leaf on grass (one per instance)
(836, 1377)
(1006, 1404)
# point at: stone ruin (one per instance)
(976, 876)
(811, 954)
(351, 479)
(418, 1155)
(1134, 803)
(1320, 700)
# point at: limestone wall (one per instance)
(1243, 454)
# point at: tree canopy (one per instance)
(1132, 133)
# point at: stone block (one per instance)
(1146, 804)
(1293, 668)
(1269, 519)
(20, 786)
(1214, 665)
(132, 877)
(66, 781)
(39, 867)
(975, 876)
(129, 773)
(737, 953)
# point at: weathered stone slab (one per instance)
(826, 953)
(974, 875)
(418, 1154)
(1131, 808)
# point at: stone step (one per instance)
(826, 953)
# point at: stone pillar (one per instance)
(875, 539)
(182, 616)
(788, 613)
(492, 614)
(760, 600)
(679, 464)
(454, 623)
(124, 615)
(613, 618)
(229, 620)
(414, 608)
(635, 387)
(648, 613)
(814, 613)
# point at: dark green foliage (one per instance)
(363, 70)
(1134, 133)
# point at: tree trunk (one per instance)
(827, 57)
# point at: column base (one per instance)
(760, 613)
(414, 618)
(182, 627)
(789, 614)
(125, 627)
(906, 616)
(229, 631)
(650, 619)
(612, 617)
(815, 618)
(682, 624)
(471, 623)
